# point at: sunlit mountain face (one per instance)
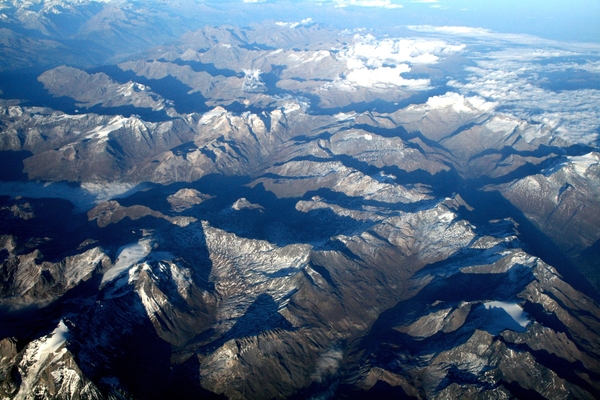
(346, 199)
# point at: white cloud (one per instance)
(451, 30)
(379, 63)
(327, 365)
(496, 38)
(304, 22)
(514, 75)
(252, 82)
(375, 53)
(513, 78)
(385, 76)
(460, 104)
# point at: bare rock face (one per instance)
(112, 212)
(184, 199)
(243, 203)
(561, 203)
(34, 281)
(427, 305)
(90, 90)
(286, 211)
(48, 370)
(492, 336)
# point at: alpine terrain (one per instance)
(248, 200)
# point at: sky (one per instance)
(573, 20)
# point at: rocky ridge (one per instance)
(293, 237)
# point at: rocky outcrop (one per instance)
(287, 211)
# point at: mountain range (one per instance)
(288, 210)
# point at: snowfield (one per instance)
(127, 257)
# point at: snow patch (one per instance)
(318, 56)
(128, 256)
(349, 116)
(102, 132)
(502, 124)
(40, 354)
(209, 116)
(446, 217)
(58, 337)
(512, 309)
(291, 106)
(582, 163)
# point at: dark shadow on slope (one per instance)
(23, 84)
(209, 68)
(541, 152)
(552, 155)
(550, 320)
(189, 147)
(381, 390)
(271, 78)
(400, 132)
(489, 205)
(154, 198)
(261, 316)
(117, 322)
(142, 360)
(441, 184)
(461, 377)
(278, 222)
(389, 345)
(32, 322)
(461, 129)
(399, 352)
(451, 290)
(12, 165)
(527, 169)
(380, 106)
(183, 383)
(168, 87)
(324, 273)
(569, 371)
(52, 228)
(468, 257)
(55, 224)
(538, 313)
(589, 262)
(188, 243)
(257, 46)
(520, 392)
